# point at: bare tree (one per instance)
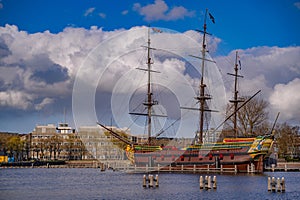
(288, 141)
(41, 146)
(48, 148)
(251, 118)
(56, 142)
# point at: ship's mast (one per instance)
(235, 99)
(202, 97)
(149, 102)
(202, 86)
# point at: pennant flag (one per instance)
(240, 64)
(157, 30)
(211, 17)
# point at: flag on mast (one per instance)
(157, 30)
(211, 17)
(240, 64)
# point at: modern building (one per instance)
(100, 145)
(211, 135)
(49, 142)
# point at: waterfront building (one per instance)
(100, 145)
(211, 135)
(49, 142)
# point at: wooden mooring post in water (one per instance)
(150, 180)
(206, 182)
(276, 184)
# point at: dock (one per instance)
(180, 169)
(186, 169)
(284, 167)
(281, 166)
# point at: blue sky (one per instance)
(242, 24)
(261, 30)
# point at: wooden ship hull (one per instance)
(236, 153)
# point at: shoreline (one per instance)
(121, 165)
(52, 164)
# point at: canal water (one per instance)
(87, 183)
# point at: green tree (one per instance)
(4, 138)
(15, 146)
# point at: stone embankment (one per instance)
(67, 164)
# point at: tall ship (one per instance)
(235, 152)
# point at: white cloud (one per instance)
(89, 11)
(46, 101)
(297, 4)
(124, 12)
(16, 99)
(178, 12)
(42, 64)
(30, 59)
(160, 11)
(102, 15)
(27, 58)
(114, 63)
(285, 99)
(274, 70)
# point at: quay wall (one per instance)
(67, 164)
